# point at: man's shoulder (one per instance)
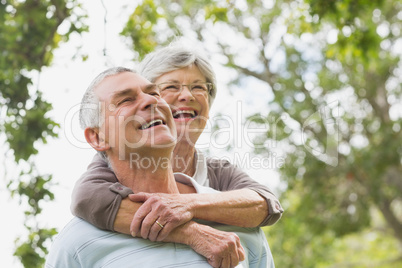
(77, 231)
(75, 228)
(77, 223)
(72, 237)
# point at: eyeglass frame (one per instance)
(209, 86)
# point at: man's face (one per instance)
(136, 118)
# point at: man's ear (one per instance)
(93, 138)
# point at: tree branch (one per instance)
(385, 208)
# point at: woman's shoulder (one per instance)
(219, 168)
(218, 163)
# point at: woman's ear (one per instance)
(93, 138)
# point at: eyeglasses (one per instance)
(198, 88)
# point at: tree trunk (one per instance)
(393, 222)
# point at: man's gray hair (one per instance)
(174, 57)
(90, 108)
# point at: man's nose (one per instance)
(147, 101)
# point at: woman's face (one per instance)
(190, 110)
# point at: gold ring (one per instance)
(160, 225)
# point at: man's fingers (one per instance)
(226, 262)
(140, 197)
(168, 227)
(139, 217)
(234, 255)
(155, 230)
(241, 252)
(147, 224)
(216, 263)
(234, 260)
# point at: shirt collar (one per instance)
(201, 171)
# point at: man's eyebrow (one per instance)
(149, 87)
(121, 93)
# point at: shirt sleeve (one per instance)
(224, 176)
(95, 197)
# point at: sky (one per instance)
(67, 157)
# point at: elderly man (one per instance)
(135, 120)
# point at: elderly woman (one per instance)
(187, 83)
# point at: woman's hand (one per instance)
(157, 210)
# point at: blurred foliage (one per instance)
(33, 189)
(333, 73)
(374, 246)
(29, 33)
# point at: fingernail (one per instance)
(133, 234)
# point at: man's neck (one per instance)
(151, 174)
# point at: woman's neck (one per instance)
(183, 158)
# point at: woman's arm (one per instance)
(99, 199)
(225, 177)
(243, 208)
(252, 204)
(215, 245)
(245, 203)
(92, 199)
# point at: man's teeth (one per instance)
(152, 123)
(177, 113)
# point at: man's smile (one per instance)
(152, 123)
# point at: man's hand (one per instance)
(174, 212)
(170, 210)
(221, 249)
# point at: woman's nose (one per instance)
(185, 93)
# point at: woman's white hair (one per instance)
(174, 57)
